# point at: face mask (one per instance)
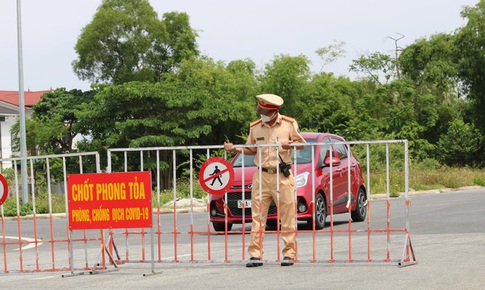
(266, 119)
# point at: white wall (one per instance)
(6, 139)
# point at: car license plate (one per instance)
(247, 203)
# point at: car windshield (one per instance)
(303, 156)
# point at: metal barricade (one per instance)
(193, 240)
(39, 240)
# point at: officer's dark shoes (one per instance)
(287, 261)
(254, 262)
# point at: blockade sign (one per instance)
(216, 175)
(109, 200)
(3, 189)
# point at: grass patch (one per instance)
(426, 179)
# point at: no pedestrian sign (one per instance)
(3, 189)
(216, 175)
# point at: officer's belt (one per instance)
(269, 170)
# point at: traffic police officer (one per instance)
(272, 128)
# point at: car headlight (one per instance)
(301, 179)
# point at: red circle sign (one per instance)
(216, 175)
(3, 189)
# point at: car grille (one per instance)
(232, 199)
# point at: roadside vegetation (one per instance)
(423, 178)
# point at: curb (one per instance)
(424, 192)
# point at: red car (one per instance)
(303, 182)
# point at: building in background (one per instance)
(9, 115)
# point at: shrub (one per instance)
(10, 207)
(479, 180)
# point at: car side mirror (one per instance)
(335, 161)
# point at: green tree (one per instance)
(375, 67)
(54, 125)
(459, 145)
(126, 41)
(232, 89)
(398, 112)
(287, 77)
(328, 103)
(471, 47)
(183, 109)
(432, 65)
(181, 42)
(140, 114)
(331, 53)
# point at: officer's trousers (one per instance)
(259, 209)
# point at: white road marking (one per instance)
(46, 277)
(29, 246)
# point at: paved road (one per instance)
(448, 237)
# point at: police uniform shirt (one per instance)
(284, 129)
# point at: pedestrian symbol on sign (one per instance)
(216, 175)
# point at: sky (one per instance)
(228, 30)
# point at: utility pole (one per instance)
(396, 51)
(23, 142)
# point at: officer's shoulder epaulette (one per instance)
(289, 119)
(255, 122)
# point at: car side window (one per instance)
(325, 149)
(341, 149)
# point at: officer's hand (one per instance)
(229, 147)
(286, 144)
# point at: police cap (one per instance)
(269, 101)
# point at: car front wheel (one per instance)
(360, 211)
(320, 212)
